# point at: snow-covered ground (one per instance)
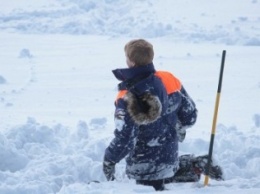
(57, 89)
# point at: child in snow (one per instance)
(153, 111)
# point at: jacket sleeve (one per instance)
(122, 142)
(187, 113)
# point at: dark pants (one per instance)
(186, 173)
(158, 185)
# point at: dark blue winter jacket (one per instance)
(149, 105)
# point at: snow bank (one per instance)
(39, 159)
(212, 22)
(43, 159)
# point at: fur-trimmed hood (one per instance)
(143, 109)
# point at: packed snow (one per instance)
(57, 90)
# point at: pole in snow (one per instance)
(213, 131)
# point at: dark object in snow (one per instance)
(190, 170)
(94, 181)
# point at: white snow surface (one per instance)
(57, 90)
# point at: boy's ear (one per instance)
(130, 63)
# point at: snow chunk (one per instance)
(82, 130)
(25, 53)
(98, 123)
(119, 123)
(11, 158)
(256, 119)
(154, 142)
(2, 80)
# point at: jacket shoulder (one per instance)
(170, 82)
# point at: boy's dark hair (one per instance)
(139, 51)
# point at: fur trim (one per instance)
(145, 109)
